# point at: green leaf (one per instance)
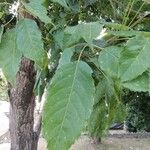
(87, 31)
(100, 91)
(10, 56)
(98, 122)
(113, 99)
(120, 113)
(37, 9)
(74, 6)
(89, 2)
(109, 60)
(126, 62)
(29, 42)
(124, 33)
(24, 40)
(135, 58)
(141, 83)
(65, 57)
(1, 14)
(116, 26)
(130, 33)
(1, 32)
(63, 40)
(61, 2)
(69, 104)
(104, 110)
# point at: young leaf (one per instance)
(10, 56)
(29, 41)
(69, 104)
(37, 9)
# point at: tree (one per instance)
(61, 47)
(138, 105)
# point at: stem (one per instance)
(136, 14)
(22, 102)
(129, 12)
(8, 22)
(113, 7)
(5, 3)
(126, 11)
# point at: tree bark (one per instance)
(22, 102)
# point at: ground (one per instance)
(84, 142)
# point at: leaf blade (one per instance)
(37, 9)
(62, 3)
(73, 106)
(135, 59)
(140, 84)
(109, 60)
(87, 31)
(10, 65)
(29, 42)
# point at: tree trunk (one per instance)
(22, 102)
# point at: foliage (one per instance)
(77, 48)
(37, 10)
(138, 108)
(106, 108)
(24, 40)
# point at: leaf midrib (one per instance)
(136, 58)
(69, 99)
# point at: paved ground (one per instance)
(4, 129)
(4, 121)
